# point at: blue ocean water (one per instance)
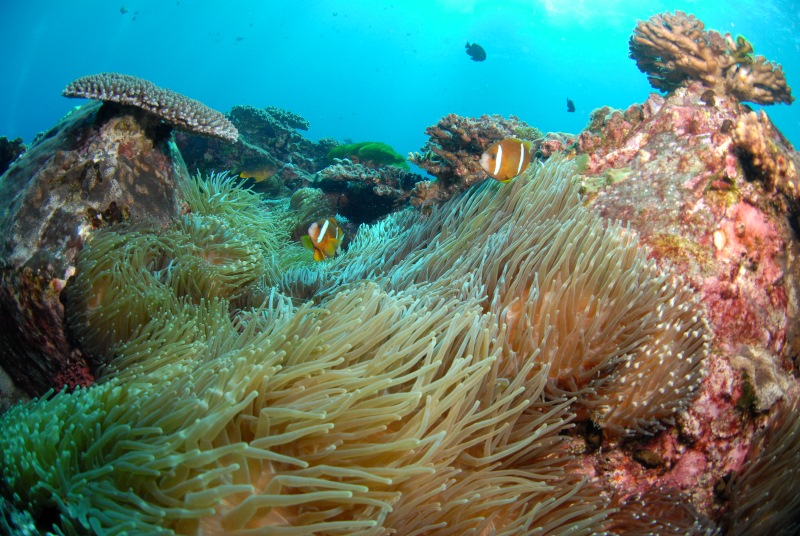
(365, 70)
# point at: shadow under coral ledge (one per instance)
(604, 345)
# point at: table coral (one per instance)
(174, 108)
(675, 49)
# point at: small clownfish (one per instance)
(506, 159)
(324, 238)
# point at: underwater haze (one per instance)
(364, 70)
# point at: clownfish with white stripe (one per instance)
(506, 159)
(324, 238)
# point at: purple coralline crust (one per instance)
(674, 174)
(101, 164)
(712, 205)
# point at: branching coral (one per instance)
(453, 152)
(675, 49)
(174, 108)
(425, 388)
(261, 124)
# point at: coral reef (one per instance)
(175, 109)
(364, 194)
(452, 154)
(708, 188)
(268, 137)
(101, 164)
(9, 151)
(371, 154)
(764, 155)
(408, 395)
(675, 49)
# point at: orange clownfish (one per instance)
(506, 159)
(324, 238)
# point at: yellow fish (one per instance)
(506, 159)
(324, 238)
(259, 174)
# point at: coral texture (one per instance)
(364, 194)
(452, 154)
(764, 154)
(710, 189)
(268, 138)
(9, 151)
(421, 390)
(174, 108)
(675, 49)
(102, 164)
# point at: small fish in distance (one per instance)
(475, 51)
(570, 105)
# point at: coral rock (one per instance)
(9, 151)
(99, 165)
(452, 154)
(365, 194)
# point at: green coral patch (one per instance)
(369, 153)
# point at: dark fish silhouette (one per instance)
(475, 51)
(708, 97)
(123, 10)
(570, 105)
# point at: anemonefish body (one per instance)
(324, 238)
(259, 174)
(506, 159)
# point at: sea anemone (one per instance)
(427, 386)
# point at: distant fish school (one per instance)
(506, 159)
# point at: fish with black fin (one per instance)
(506, 159)
(475, 51)
(570, 105)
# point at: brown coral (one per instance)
(453, 152)
(674, 50)
(765, 153)
(174, 108)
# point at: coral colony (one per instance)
(604, 344)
